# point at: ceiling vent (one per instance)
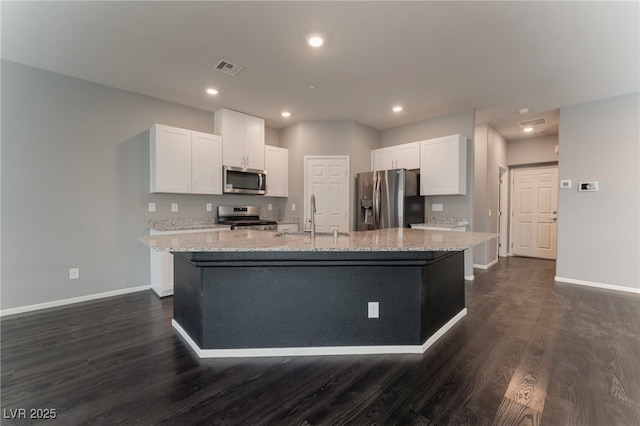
(533, 123)
(228, 67)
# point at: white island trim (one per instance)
(318, 350)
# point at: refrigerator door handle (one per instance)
(376, 200)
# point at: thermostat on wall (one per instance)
(564, 184)
(588, 186)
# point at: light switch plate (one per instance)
(209, 207)
(437, 207)
(293, 207)
(174, 207)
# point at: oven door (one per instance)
(244, 181)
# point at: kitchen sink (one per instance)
(308, 234)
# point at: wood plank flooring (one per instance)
(529, 352)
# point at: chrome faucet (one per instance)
(313, 216)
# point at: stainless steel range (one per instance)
(244, 217)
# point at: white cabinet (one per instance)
(276, 163)
(242, 138)
(162, 263)
(443, 166)
(287, 227)
(405, 156)
(184, 161)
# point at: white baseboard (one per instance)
(318, 350)
(598, 285)
(71, 301)
(485, 267)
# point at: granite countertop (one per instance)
(394, 239)
(183, 224)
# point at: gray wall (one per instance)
(75, 185)
(325, 137)
(463, 123)
(599, 232)
(490, 154)
(537, 150)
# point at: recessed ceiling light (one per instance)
(315, 40)
(523, 111)
(285, 114)
(397, 108)
(528, 129)
(212, 91)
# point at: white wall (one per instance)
(599, 232)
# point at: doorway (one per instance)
(327, 177)
(534, 226)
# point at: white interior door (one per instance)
(535, 211)
(327, 177)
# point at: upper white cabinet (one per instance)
(406, 156)
(242, 138)
(276, 162)
(443, 166)
(184, 161)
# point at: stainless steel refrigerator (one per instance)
(388, 199)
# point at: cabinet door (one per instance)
(276, 162)
(382, 159)
(231, 126)
(443, 166)
(254, 142)
(206, 163)
(408, 156)
(170, 159)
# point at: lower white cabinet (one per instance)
(443, 166)
(162, 263)
(288, 227)
(276, 163)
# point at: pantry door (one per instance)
(535, 212)
(327, 177)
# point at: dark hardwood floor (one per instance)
(529, 352)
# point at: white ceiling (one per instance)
(433, 58)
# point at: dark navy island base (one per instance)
(257, 303)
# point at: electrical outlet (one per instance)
(174, 207)
(209, 207)
(152, 207)
(270, 207)
(74, 273)
(293, 207)
(373, 310)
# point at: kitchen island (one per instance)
(263, 293)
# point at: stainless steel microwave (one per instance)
(238, 180)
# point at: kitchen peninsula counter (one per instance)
(394, 239)
(252, 293)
